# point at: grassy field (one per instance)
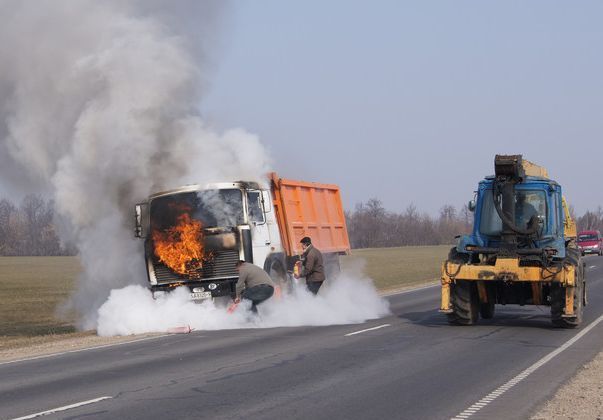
(392, 268)
(32, 288)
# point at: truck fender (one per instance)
(275, 265)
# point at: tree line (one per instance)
(28, 229)
(591, 220)
(370, 225)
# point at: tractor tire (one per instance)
(486, 310)
(558, 297)
(465, 303)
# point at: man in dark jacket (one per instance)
(313, 268)
(254, 284)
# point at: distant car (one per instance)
(590, 242)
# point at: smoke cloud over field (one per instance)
(345, 300)
(98, 106)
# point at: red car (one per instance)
(590, 242)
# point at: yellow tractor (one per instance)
(522, 249)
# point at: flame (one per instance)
(181, 247)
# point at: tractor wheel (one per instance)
(558, 301)
(486, 310)
(465, 303)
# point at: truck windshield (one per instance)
(587, 237)
(213, 208)
(527, 204)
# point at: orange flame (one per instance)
(181, 247)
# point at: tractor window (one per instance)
(527, 204)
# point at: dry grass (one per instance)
(32, 290)
(34, 287)
(391, 268)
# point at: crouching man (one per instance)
(254, 284)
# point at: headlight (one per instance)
(595, 246)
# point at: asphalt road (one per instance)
(417, 367)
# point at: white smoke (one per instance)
(99, 105)
(347, 299)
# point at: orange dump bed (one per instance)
(309, 209)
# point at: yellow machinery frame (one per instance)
(508, 269)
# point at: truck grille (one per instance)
(223, 265)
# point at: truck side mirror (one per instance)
(138, 220)
(471, 205)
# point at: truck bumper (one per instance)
(200, 290)
(507, 270)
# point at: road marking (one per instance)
(593, 266)
(368, 329)
(64, 408)
(416, 289)
(527, 372)
(44, 356)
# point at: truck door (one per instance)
(260, 235)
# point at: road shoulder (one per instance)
(580, 398)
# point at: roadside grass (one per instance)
(33, 288)
(394, 268)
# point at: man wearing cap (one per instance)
(254, 284)
(313, 268)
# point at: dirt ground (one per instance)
(579, 399)
(60, 344)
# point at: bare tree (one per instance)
(29, 229)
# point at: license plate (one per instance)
(200, 295)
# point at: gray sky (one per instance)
(410, 101)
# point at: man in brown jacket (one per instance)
(313, 268)
(254, 284)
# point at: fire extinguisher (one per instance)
(297, 269)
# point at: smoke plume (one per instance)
(99, 107)
(348, 299)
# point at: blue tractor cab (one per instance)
(538, 218)
(522, 249)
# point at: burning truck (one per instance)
(194, 235)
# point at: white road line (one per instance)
(44, 356)
(416, 289)
(368, 329)
(64, 408)
(593, 266)
(527, 372)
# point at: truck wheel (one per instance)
(278, 274)
(486, 310)
(331, 266)
(465, 303)
(558, 302)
